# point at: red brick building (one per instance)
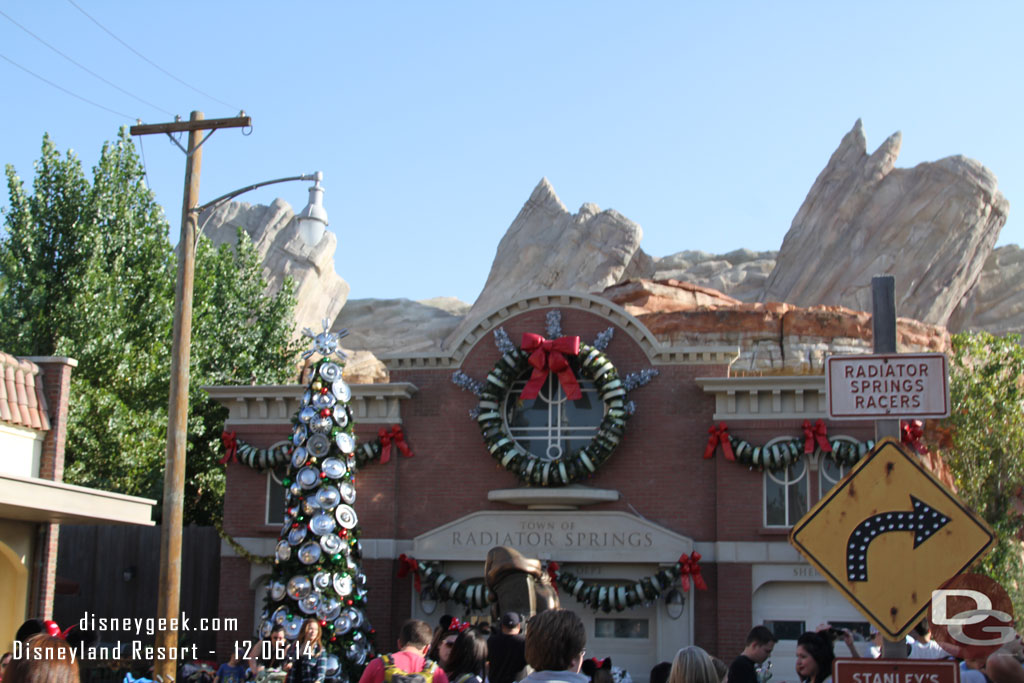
(655, 498)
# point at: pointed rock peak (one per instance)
(891, 146)
(855, 138)
(544, 195)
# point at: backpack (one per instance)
(392, 674)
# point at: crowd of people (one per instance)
(550, 648)
(553, 649)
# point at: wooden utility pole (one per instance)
(169, 588)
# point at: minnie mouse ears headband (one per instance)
(47, 627)
(458, 626)
(594, 663)
(52, 629)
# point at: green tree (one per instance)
(983, 443)
(239, 336)
(87, 271)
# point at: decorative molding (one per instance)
(657, 352)
(744, 552)
(560, 498)
(781, 397)
(277, 403)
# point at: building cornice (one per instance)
(776, 397)
(275, 404)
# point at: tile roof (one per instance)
(22, 401)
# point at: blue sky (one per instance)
(706, 123)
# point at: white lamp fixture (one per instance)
(313, 219)
(428, 598)
(675, 601)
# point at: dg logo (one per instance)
(971, 616)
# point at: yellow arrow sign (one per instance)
(889, 534)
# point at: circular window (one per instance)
(551, 426)
(551, 440)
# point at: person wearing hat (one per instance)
(506, 650)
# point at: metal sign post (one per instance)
(883, 327)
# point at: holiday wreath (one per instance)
(568, 359)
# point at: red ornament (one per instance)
(323, 390)
(344, 533)
(349, 602)
(323, 475)
(326, 412)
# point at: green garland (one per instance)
(239, 548)
(263, 459)
(591, 364)
(782, 454)
(625, 595)
(618, 596)
(471, 596)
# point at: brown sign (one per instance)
(895, 671)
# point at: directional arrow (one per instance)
(923, 521)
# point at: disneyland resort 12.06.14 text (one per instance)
(136, 650)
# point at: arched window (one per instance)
(830, 471)
(786, 494)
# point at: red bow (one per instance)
(548, 356)
(52, 629)
(394, 436)
(230, 448)
(816, 433)
(719, 435)
(457, 625)
(911, 433)
(600, 663)
(553, 574)
(408, 564)
(689, 567)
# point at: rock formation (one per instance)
(394, 325)
(741, 273)
(932, 226)
(996, 304)
(773, 338)
(320, 291)
(546, 247)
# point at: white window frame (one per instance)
(271, 478)
(555, 431)
(787, 484)
(844, 468)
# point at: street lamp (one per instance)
(169, 585)
(312, 220)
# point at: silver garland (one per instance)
(638, 379)
(603, 339)
(474, 413)
(502, 341)
(630, 407)
(467, 383)
(554, 324)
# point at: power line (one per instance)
(149, 61)
(65, 90)
(83, 68)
